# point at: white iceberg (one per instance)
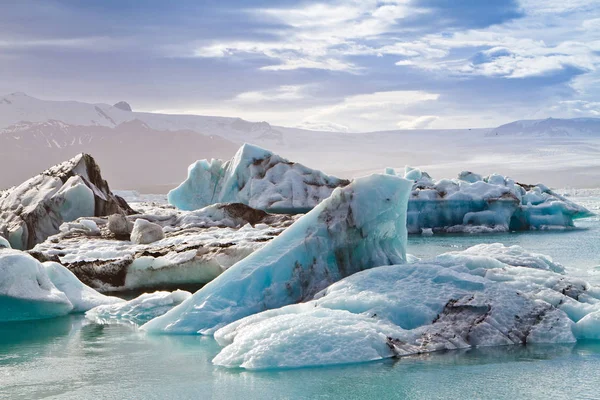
(255, 177)
(451, 302)
(139, 310)
(360, 226)
(26, 291)
(34, 210)
(31, 290)
(82, 297)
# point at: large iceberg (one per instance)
(197, 247)
(474, 204)
(486, 296)
(255, 177)
(31, 290)
(34, 210)
(360, 226)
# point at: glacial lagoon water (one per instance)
(69, 358)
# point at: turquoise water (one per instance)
(67, 358)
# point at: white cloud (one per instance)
(421, 122)
(282, 93)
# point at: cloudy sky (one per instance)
(358, 65)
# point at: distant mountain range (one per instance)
(150, 152)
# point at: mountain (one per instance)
(150, 152)
(550, 127)
(17, 108)
(132, 154)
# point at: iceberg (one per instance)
(454, 301)
(31, 290)
(139, 310)
(476, 204)
(82, 297)
(197, 246)
(360, 226)
(255, 177)
(34, 210)
(26, 291)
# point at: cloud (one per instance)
(282, 93)
(421, 122)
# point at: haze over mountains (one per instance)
(150, 152)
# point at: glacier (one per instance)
(139, 310)
(34, 210)
(255, 177)
(358, 227)
(489, 295)
(32, 290)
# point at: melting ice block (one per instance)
(31, 290)
(255, 177)
(139, 310)
(454, 301)
(26, 291)
(360, 226)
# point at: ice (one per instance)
(488, 295)
(197, 247)
(34, 210)
(82, 297)
(255, 177)
(360, 226)
(139, 310)
(475, 204)
(26, 291)
(4, 243)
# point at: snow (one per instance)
(360, 226)
(255, 177)
(139, 310)
(457, 300)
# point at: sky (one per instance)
(353, 65)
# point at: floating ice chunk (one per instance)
(255, 177)
(454, 301)
(26, 291)
(82, 297)
(495, 203)
(139, 310)
(358, 227)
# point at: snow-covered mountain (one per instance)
(19, 108)
(151, 152)
(550, 127)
